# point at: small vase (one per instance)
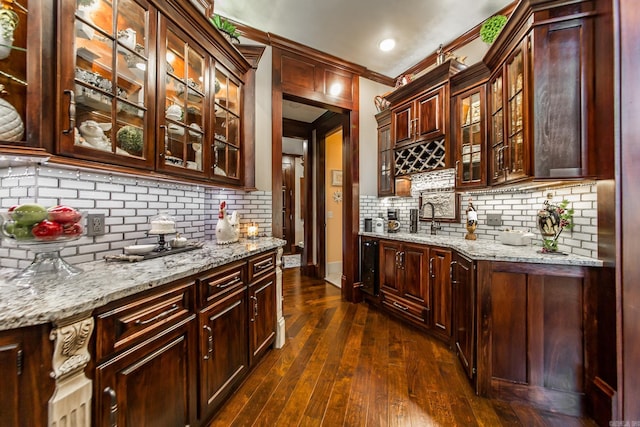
(550, 229)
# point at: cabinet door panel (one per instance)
(262, 316)
(402, 122)
(9, 392)
(223, 349)
(149, 385)
(441, 285)
(464, 313)
(509, 326)
(389, 275)
(430, 115)
(561, 80)
(415, 261)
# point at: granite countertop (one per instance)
(490, 250)
(103, 282)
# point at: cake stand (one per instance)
(46, 261)
(162, 243)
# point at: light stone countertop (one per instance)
(103, 282)
(491, 250)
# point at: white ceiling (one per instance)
(301, 112)
(352, 29)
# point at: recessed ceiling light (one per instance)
(387, 44)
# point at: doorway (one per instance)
(332, 147)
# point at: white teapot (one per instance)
(93, 132)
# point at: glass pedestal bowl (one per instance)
(46, 248)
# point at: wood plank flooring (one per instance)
(347, 365)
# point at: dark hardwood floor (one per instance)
(346, 364)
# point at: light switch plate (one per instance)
(494, 219)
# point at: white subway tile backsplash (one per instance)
(518, 207)
(128, 204)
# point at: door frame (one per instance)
(351, 194)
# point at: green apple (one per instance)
(29, 214)
(22, 232)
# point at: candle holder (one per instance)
(252, 231)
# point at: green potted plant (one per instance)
(227, 28)
(130, 139)
(492, 27)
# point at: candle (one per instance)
(252, 231)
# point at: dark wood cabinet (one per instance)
(386, 167)
(469, 126)
(541, 96)
(25, 361)
(464, 309)
(145, 359)
(440, 274)
(531, 339)
(509, 138)
(149, 384)
(420, 119)
(262, 316)
(150, 85)
(404, 280)
(223, 355)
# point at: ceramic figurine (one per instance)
(227, 229)
(472, 222)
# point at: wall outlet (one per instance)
(95, 224)
(494, 219)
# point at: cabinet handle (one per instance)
(431, 268)
(229, 283)
(162, 315)
(397, 259)
(255, 308)
(113, 406)
(455, 177)
(71, 112)
(451, 264)
(400, 306)
(209, 342)
(401, 260)
(263, 265)
(164, 131)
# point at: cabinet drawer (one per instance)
(220, 282)
(261, 265)
(414, 312)
(127, 324)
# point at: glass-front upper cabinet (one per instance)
(508, 140)
(22, 53)
(183, 87)
(105, 106)
(470, 137)
(226, 147)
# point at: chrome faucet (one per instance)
(434, 225)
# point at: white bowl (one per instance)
(138, 249)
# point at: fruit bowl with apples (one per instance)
(44, 231)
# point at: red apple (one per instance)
(73, 230)
(46, 230)
(63, 215)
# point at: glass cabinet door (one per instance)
(471, 137)
(185, 65)
(109, 107)
(515, 113)
(15, 66)
(496, 134)
(226, 145)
